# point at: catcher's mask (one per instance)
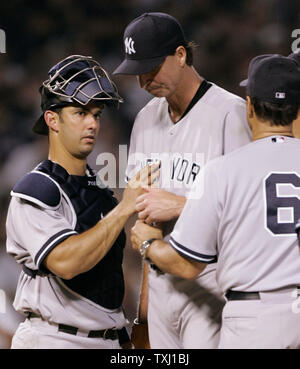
(75, 80)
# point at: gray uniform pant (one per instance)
(273, 322)
(39, 334)
(184, 314)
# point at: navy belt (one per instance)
(237, 295)
(107, 334)
(154, 267)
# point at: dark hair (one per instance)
(189, 47)
(276, 114)
(57, 109)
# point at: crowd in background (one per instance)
(39, 34)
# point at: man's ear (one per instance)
(181, 54)
(296, 125)
(51, 119)
(250, 110)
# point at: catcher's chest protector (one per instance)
(103, 284)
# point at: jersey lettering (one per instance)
(194, 172)
(183, 171)
(180, 170)
(282, 202)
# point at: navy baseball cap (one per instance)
(148, 40)
(274, 78)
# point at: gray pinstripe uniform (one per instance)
(35, 225)
(184, 314)
(244, 216)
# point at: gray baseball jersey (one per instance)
(245, 214)
(215, 125)
(33, 230)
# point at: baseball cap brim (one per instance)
(136, 67)
(244, 83)
(40, 127)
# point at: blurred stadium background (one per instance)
(40, 33)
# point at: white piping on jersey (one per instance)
(192, 256)
(40, 258)
(47, 175)
(34, 169)
(65, 196)
(34, 200)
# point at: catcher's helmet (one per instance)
(75, 80)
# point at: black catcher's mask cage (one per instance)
(77, 79)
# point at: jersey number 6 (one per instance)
(282, 202)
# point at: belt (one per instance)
(237, 295)
(156, 268)
(108, 334)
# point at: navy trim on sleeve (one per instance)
(50, 244)
(209, 259)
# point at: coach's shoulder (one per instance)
(226, 100)
(38, 188)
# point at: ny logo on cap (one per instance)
(280, 95)
(129, 45)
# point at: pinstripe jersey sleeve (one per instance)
(195, 233)
(135, 151)
(32, 232)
